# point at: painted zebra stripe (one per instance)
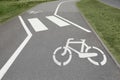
(37, 24)
(57, 21)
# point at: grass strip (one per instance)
(106, 22)
(12, 8)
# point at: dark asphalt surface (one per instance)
(12, 35)
(113, 3)
(35, 62)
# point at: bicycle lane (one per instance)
(35, 62)
(72, 14)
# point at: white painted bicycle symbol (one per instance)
(83, 53)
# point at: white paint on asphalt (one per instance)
(82, 53)
(7, 65)
(37, 24)
(103, 62)
(94, 62)
(56, 61)
(74, 24)
(57, 21)
(34, 12)
(56, 11)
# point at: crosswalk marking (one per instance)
(57, 21)
(37, 24)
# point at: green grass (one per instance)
(12, 8)
(106, 22)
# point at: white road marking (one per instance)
(94, 62)
(81, 53)
(56, 11)
(54, 57)
(34, 12)
(68, 61)
(37, 24)
(103, 62)
(56, 61)
(57, 21)
(7, 65)
(74, 24)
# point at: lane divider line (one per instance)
(56, 11)
(37, 24)
(8, 64)
(57, 21)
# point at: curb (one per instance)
(115, 61)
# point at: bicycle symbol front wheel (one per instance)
(93, 61)
(57, 52)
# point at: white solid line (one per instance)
(25, 26)
(73, 23)
(56, 11)
(7, 65)
(58, 7)
(37, 24)
(57, 21)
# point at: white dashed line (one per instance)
(37, 24)
(57, 21)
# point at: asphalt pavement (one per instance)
(113, 3)
(52, 41)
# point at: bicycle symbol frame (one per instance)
(83, 53)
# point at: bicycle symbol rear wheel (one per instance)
(59, 62)
(102, 62)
